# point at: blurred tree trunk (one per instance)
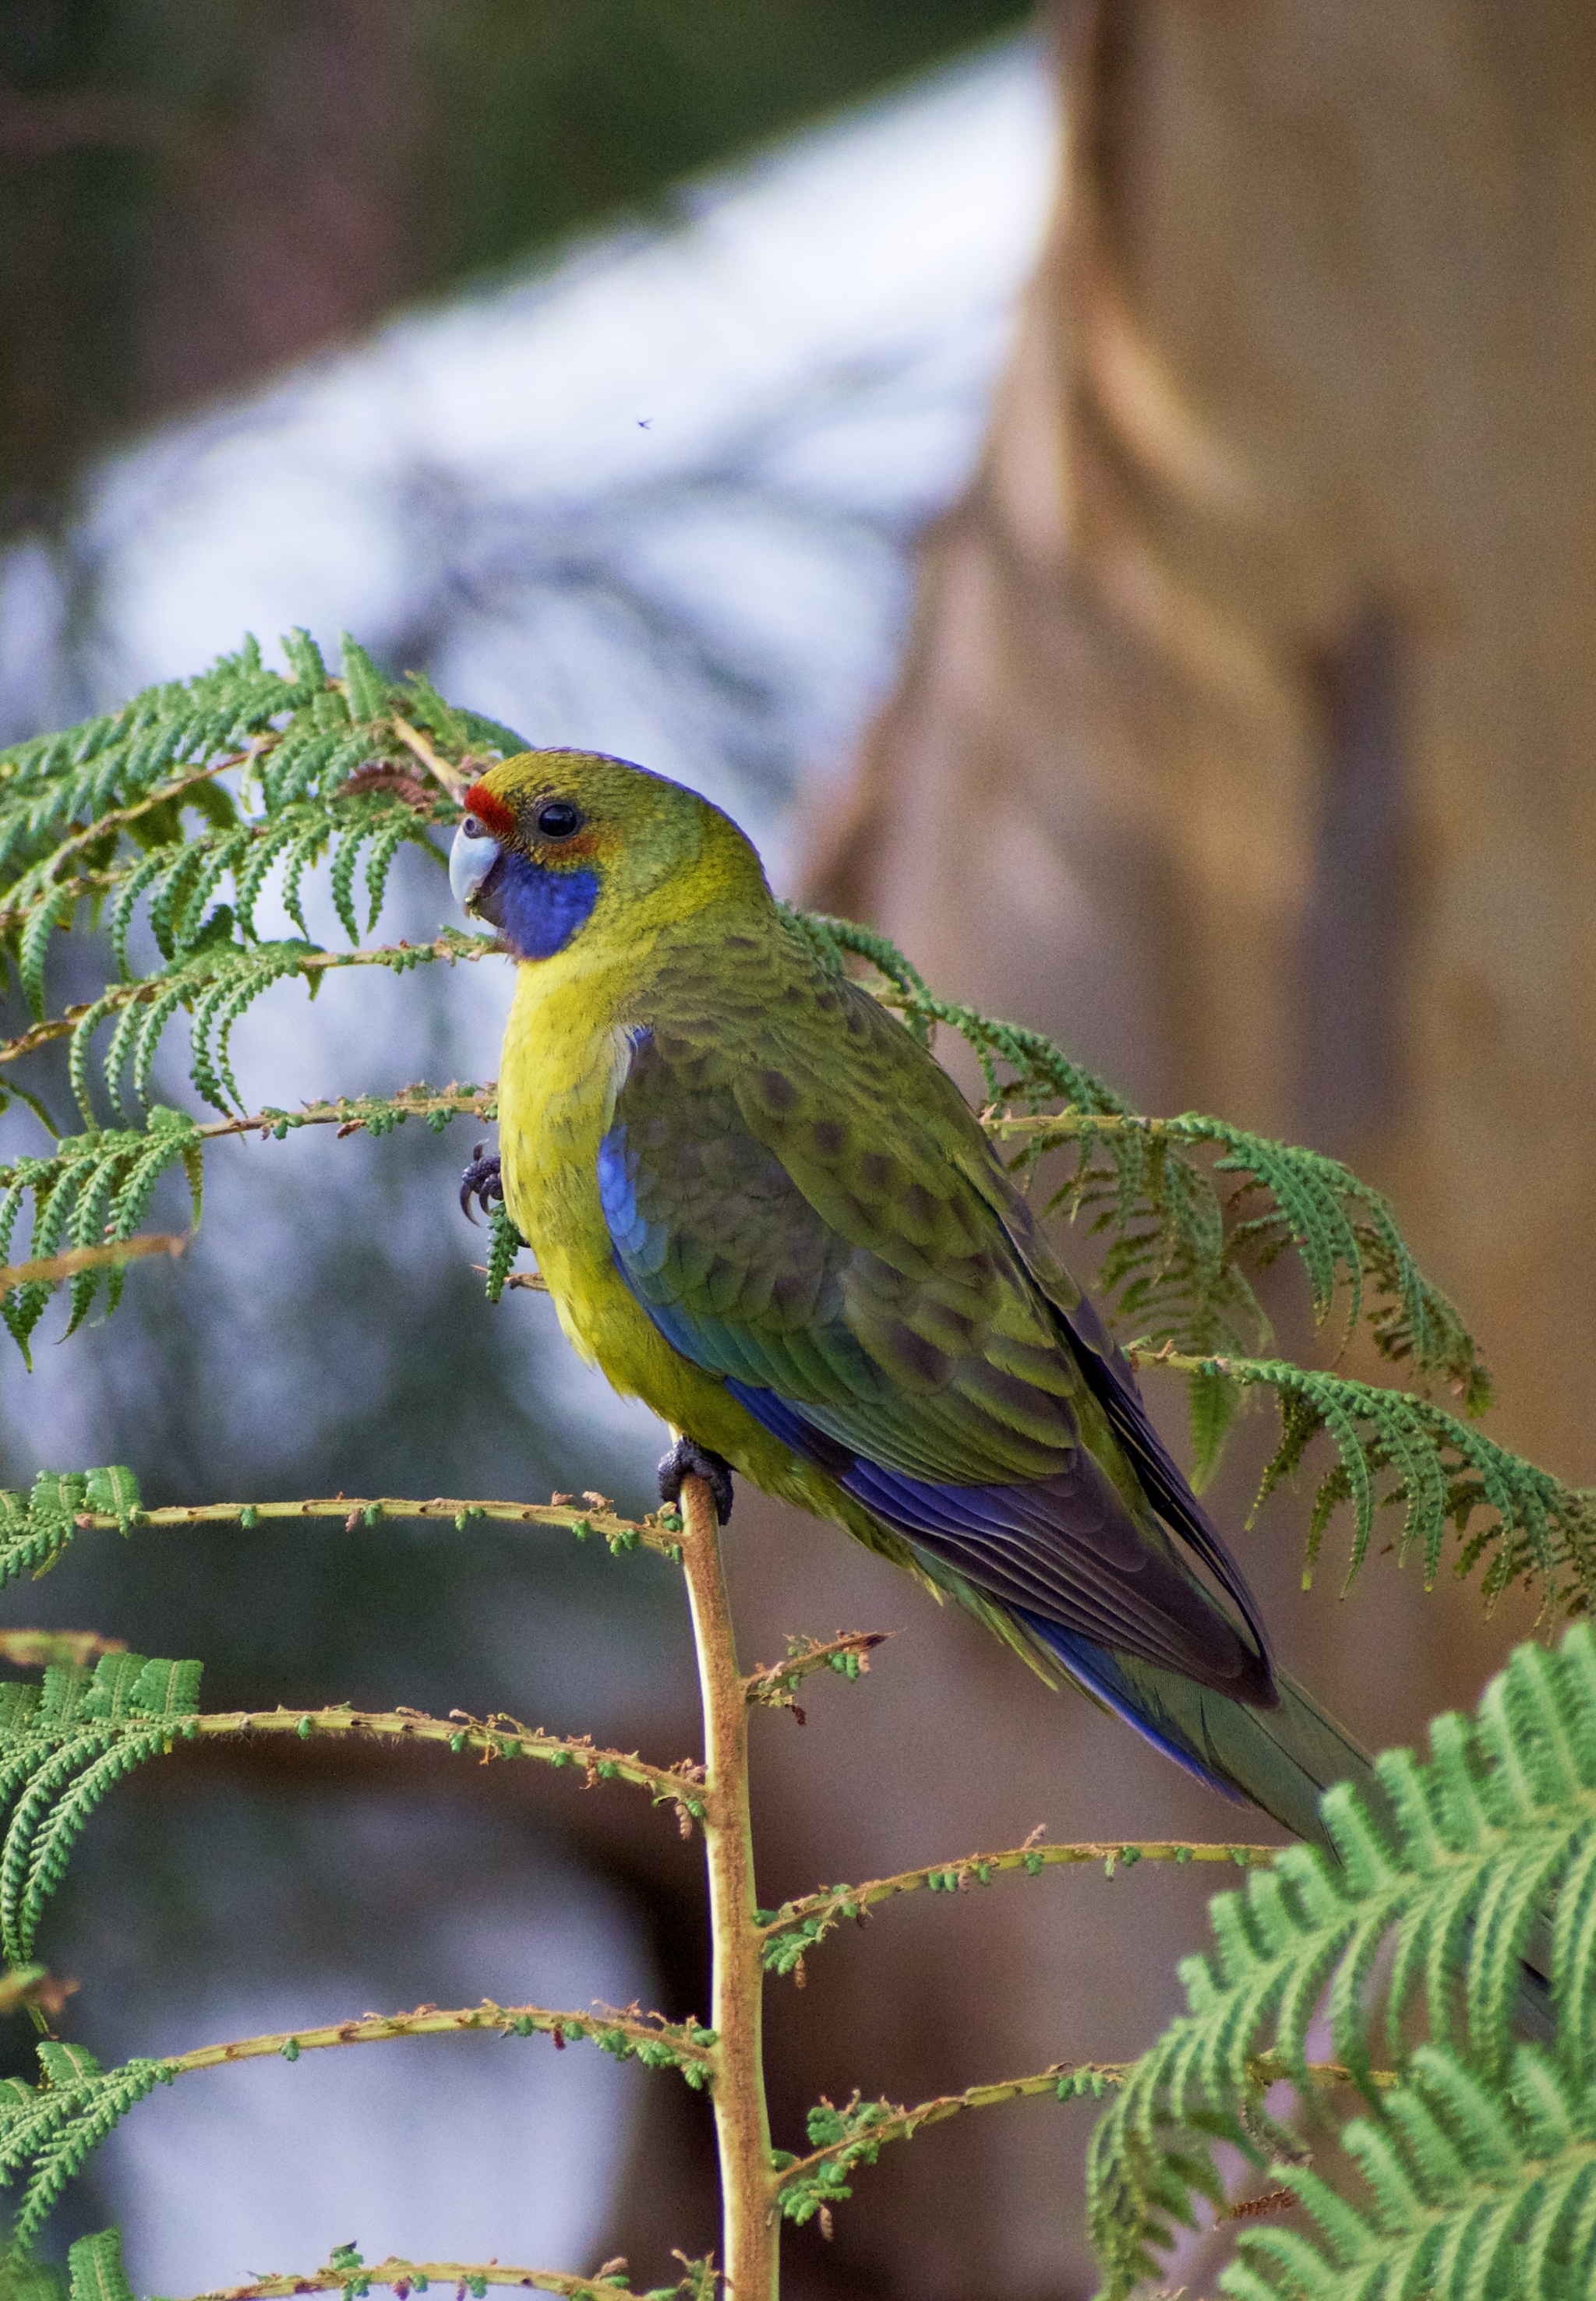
(1247, 735)
(1245, 743)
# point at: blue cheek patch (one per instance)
(538, 911)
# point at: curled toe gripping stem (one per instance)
(688, 1459)
(481, 1181)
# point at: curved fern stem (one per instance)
(484, 1739)
(684, 2045)
(799, 1925)
(473, 2277)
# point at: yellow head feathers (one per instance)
(561, 843)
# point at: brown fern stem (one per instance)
(750, 2225)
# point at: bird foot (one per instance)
(482, 1182)
(687, 1459)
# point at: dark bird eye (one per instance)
(471, 828)
(558, 819)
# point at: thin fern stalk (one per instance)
(309, 963)
(799, 1925)
(750, 2224)
(49, 1267)
(36, 1649)
(774, 1683)
(467, 2276)
(621, 1533)
(857, 2130)
(351, 1114)
(870, 2124)
(684, 2045)
(484, 1739)
(456, 779)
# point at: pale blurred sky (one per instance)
(658, 498)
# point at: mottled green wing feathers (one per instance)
(804, 1227)
(803, 1203)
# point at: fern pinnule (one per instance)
(96, 1186)
(58, 2130)
(60, 1753)
(1496, 1825)
(1441, 1472)
(133, 773)
(1474, 2197)
(94, 2269)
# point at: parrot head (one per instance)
(554, 843)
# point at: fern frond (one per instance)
(1496, 1825)
(47, 2131)
(36, 1528)
(1182, 1240)
(96, 815)
(1396, 1450)
(346, 2271)
(790, 1933)
(1475, 2197)
(95, 1189)
(94, 2269)
(62, 1746)
(1181, 1252)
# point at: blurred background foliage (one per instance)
(191, 195)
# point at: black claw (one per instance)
(481, 1181)
(687, 1459)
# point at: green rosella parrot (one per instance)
(761, 1207)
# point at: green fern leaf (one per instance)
(113, 1493)
(1213, 1407)
(1478, 2151)
(506, 1243)
(368, 688)
(57, 2131)
(60, 1756)
(95, 2267)
(458, 731)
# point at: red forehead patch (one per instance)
(490, 810)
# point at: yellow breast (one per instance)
(564, 1055)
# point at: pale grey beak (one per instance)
(472, 856)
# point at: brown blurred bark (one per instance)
(1247, 738)
(182, 214)
(293, 222)
(1245, 742)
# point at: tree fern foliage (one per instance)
(173, 815)
(47, 2131)
(63, 1745)
(1180, 1256)
(1192, 1208)
(1396, 1450)
(1433, 2141)
(177, 811)
(1476, 2146)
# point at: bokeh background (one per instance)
(1106, 498)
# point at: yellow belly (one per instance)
(562, 1058)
